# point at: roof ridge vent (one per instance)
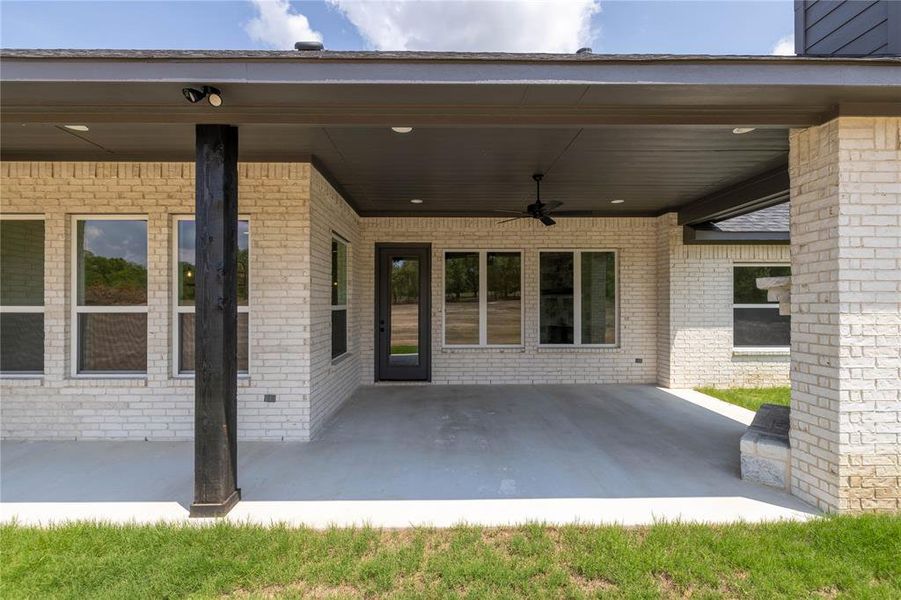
(308, 46)
(584, 50)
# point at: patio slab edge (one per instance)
(420, 513)
(736, 413)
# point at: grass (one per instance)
(853, 557)
(751, 398)
(404, 349)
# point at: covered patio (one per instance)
(356, 167)
(439, 455)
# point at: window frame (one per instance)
(483, 297)
(577, 297)
(29, 309)
(177, 309)
(754, 349)
(76, 310)
(336, 237)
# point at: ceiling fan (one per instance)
(537, 210)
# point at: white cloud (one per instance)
(785, 46)
(278, 26)
(473, 25)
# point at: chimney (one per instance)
(849, 28)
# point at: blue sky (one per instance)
(722, 27)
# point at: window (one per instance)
(110, 295)
(22, 295)
(339, 296)
(577, 298)
(482, 298)
(756, 322)
(185, 273)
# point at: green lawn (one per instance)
(404, 349)
(828, 557)
(751, 398)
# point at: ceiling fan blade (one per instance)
(547, 220)
(514, 219)
(552, 204)
(509, 212)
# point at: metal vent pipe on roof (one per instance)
(308, 46)
(585, 50)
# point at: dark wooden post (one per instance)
(216, 322)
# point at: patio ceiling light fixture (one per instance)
(742, 130)
(401, 129)
(617, 201)
(415, 201)
(213, 95)
(77, 127)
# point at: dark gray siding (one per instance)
(848, 27)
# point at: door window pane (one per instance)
(598, 298)
(186, 328)
(556, 297)
(21, 262)
(761, 327)
(22, 342)
(461, 298)
(404, 291)
(112, 342)
(504, 302)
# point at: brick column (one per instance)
(846, 314)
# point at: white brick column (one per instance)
(846, 314)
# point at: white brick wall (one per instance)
(275, 196)
(634, 239)
(695, 326)
(846, 314)
(293, 211)
(332, 381)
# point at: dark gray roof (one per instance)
(58, 53)
(774, 218)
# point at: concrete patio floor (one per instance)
(438, 455)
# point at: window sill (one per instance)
(187, 379)
(471, 349)
(22, 379)
(341, 358)
(92, 380)
(763, 351)
(568, 348)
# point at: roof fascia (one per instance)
(693, 236)
(761, 191)
(711, 71)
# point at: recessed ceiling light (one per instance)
(741, 130)
(617, 201)
(401, 129)
(76, 127)
(415, 201)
